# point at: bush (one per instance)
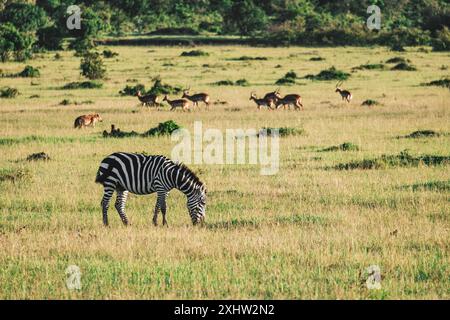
(442, 40)
(374, 66)
(403, 66)
(163, 129)
(329, 74)
(83, 85)
(109, 54)
(160, 88)
(439, 83)
(242, 82)
(132, 90)
(8, 92)
(194, 53)
(317, 59)
(370, 102)
(346, 146)
(92, 66)
(224, 83)
(247, 58)
(398, 60)
(422, 134)
(288, 79)
(29, 72)
(14, 44)
(50, 38)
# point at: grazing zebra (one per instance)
(141, 174)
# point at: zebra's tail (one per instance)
(101, 177)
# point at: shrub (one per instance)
(160, 88)
(329, 74)
(132, 90)
(242, 82)
(439, 83)
(248, 58)
(288, 79)
(398, 60)
(370, 102)
(422, 134)
(224, 83)
(29, 72)
(92, 66)
(8, 92)
(374, 66)
(83, 85)
(163, 129)
(38, 156)
(109, 54)
(317, 59)
(194, 53)
(403, 66)
(346, 146)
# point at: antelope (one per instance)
(346, 95)
(273, 97)
(290, 99)
(260, 102)
(196, 98)
(87, 120)
(179, 103)
(147, 100)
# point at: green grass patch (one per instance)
(430, 186)
(234, 224)
(329, 74)
(404, 159)
(83, 85)
(41, 139)
(346, 146)
(29, 72)
(374, 66)
(301, 219)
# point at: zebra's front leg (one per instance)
(105, 205)
(120, 205)
(164, 208)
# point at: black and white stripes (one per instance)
(140, 174)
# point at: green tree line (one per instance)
(26, 26)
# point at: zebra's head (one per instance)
(197, 205)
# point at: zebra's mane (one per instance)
(190, 174)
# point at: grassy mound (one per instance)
(194, 53)
(404, 159)
(317, 59)
(8, 92)
(132, 90)
(288, 79)
(346, 146)
(329, 74)
(370, 102)
(83, 85)
(282, 131)
(374, 66)
(439, 83)
(403, 66)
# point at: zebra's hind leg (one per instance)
(120, 205)
(164, 208)
(107, 194)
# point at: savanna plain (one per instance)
(307, 232)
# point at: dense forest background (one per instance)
(28, 26)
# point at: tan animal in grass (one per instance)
(196, 98)
(178, 103)
(345, 94)
(290, 99)
(87, 120)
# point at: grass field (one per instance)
(308, 232)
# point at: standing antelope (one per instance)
(196, 98)
(147, 100)
(346, 95)
(260, 102)
(272, 97)
(179, 103)
(290, 99)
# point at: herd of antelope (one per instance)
(272, 100)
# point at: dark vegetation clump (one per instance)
(132, 90)
(346, 146)
(83, 85)
(317, 59)
(398, 60)
(38, 156)
(57, 56)
(374, 66)
(288, 79)
(440, 83)
(370, 102)
(8, 92)
(67, 102)
(403, 66)
(13, 175)
(248, 58)
(282, 131)
(329, 74)
(186, 31)
(163, 129)
(404, 159)
(194, 53)
(160, 88)
(92, 66)
(240, 82)
(109, 54)
(422, 134)
(29, 72)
